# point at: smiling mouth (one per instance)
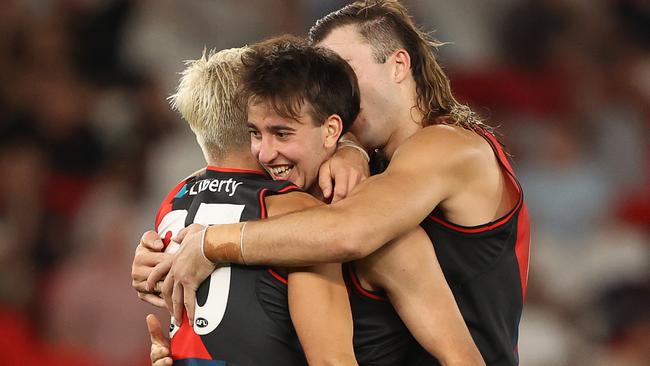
(280, 172)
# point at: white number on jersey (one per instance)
(208, 316)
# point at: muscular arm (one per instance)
(318, 299)
(320, 311)
(424, 172)
(408, 270)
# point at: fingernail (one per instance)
(158, 244)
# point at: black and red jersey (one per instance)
(242, 314)
(380, 336)
(486, 267)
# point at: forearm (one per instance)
(321, 235)
(346, 230)
(314, 236)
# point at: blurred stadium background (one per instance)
(89, 147)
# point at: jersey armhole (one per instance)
(512, 182)
(353, 281)
(277, 276)
(265, 192)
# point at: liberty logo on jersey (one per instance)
(215, 185)
(182, 192)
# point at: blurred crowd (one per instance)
(89, 147)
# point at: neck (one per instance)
(237, 160)
(410, 122)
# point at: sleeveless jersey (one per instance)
(242, 315)
(380, 336)
(486, 267)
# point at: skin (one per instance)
(292, 149)
(317, 294)
(159, 354)
(467, 185)
(407, 268)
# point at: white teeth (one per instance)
(281, 171)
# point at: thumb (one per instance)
(155, 331)
(180, 236)
(151, 240)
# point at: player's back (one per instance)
(242, 315)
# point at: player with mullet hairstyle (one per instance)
(299, 99)
(243, 315)
(292, 91)
(447, 173)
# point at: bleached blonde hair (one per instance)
(208, 99)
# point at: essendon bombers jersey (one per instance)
(242, 316)
(380, 336)
(486, 267)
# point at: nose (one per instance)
(265, 150)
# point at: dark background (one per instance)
(89, 147)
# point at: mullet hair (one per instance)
(386, 26)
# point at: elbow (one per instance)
(347, 250)
(351, 244)
(351, 237)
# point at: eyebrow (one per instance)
(272, 128)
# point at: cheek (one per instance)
(255, 147)
(361, 123)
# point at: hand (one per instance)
(160, 349)
(189, 268)
(346, 168)
(148, 256)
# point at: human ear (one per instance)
(401, 65)
(332, 129)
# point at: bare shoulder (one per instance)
(446, 147)
(290, 202)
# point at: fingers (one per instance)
(152, 299)
(177, 302)
(341, 185)
(158, 273)
(167, 361)
(150, 259)
(166, 293)
(353, 181)
(181, 235)
(325, 179)
(143, 263)
(142, 267)
(186, 231)
(160, 351)
(189, 297)
(151, 240)
(155, 330)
